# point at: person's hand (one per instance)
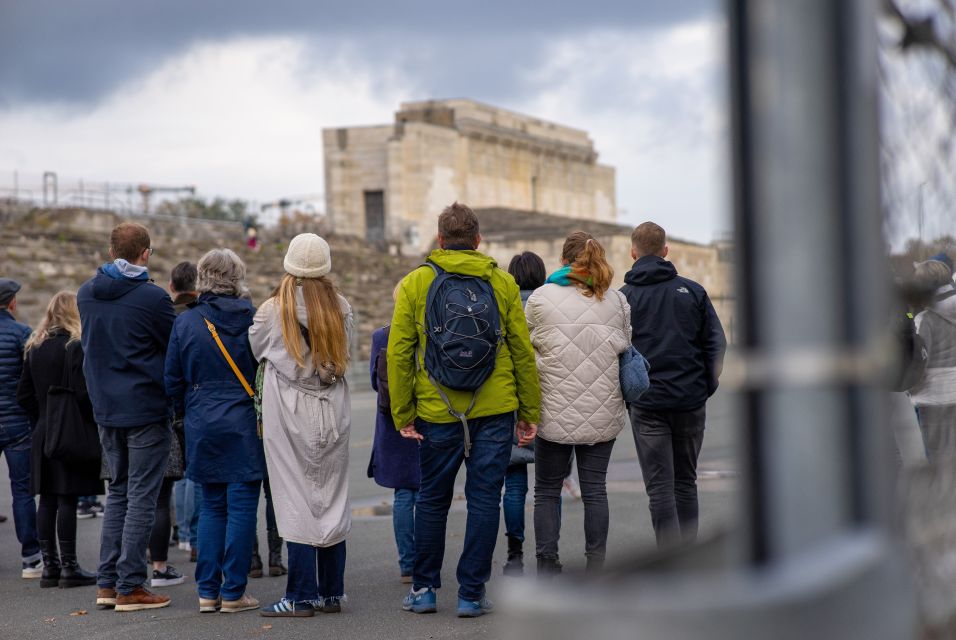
(526, 431)
(409, 431)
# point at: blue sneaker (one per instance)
(474, 608)
(425, 600)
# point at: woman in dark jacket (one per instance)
(223, 448)
(528, 271)
(54, 357)
(394, 462)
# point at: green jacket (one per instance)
(513, 386)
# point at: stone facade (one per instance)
(507, 232)
(389, 183)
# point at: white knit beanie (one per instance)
(308, 256)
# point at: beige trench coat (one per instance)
(305, 428)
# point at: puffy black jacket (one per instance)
(126, 326)
(14, 424)
(674, 325)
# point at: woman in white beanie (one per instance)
(301, 335)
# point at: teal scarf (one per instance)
(566, 277)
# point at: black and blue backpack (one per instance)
(462, 336)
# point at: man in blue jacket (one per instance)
(126, 322)
(674, 325)
(15, 429)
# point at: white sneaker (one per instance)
(184, 546)
(32, 569)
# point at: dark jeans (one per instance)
(441, 454)
(56, 517)
(227, 527)
(159, 538)
(315, 572)
(137, 458)
(552, 462)
(516, 493)
(17, 450)
(668, 443)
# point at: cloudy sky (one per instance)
(232, 95)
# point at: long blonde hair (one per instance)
(327, 339)
(61, 313)
(586, 256)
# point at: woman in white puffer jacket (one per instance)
(579, 328)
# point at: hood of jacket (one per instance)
(110, 284)
(650, 270)
(466, 262)
(231, 315)
(945, 302)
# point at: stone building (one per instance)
(388, 183)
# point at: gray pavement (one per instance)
(372, 577)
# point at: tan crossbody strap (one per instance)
(232, 363)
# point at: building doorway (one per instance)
(375, 217)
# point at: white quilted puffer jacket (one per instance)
(577, 341)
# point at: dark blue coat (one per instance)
(126, 325)
(222, 443)
(394, 461)
(14, 423)
(674, 326)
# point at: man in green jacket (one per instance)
(420, 413)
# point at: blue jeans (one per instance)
(516, 493)
(315, 572)
(17, 451)
(227, 527)
(188, 496)
(441, 455)
(403, 521)
(136, 457)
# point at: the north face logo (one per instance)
(682, 290)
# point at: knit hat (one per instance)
(944, 258)
(308, 256)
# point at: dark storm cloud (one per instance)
(75, 52)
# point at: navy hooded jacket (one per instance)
(126, 324)
(222, 442)
(674, 326)
(14, 424)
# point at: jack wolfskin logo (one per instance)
(465, 353)
(682, 290)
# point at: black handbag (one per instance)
(70, 437)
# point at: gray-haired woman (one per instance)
(223, 448)
(935, 395)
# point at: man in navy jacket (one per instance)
(15, 440)
(126, 322)
(674, 325)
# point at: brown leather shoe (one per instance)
(141, 598)
(105, 598)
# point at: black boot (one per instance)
(255, 567)
(275, 554)
(594, 565)
(51, 564)
(515, 564)
(72, 574)
(548, 568)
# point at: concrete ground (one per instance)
(372, 577)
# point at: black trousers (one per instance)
(668, 444)
(56, 517)
(159, 536)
